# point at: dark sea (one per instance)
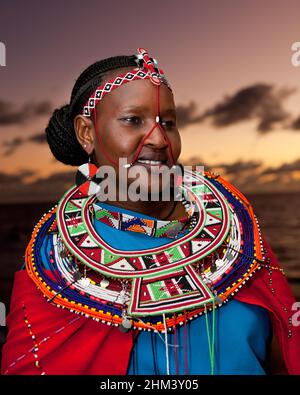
(277, 214)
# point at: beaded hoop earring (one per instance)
(86, 179)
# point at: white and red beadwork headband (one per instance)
(147, 69)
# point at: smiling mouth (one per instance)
(152, 163)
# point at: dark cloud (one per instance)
(39, 138)
(186, 115)
(252, 177)
(245, 175)
(284, 168)
(56, 179)
(296, 124)
(10, 115)
(11, 146)
(193, 160)
(260, 101)
(7, 179)
(239, 166)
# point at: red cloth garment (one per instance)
(83, 346)
(258, 292)
(73, 344)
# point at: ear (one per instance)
(84, 132)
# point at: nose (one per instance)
(156, 137)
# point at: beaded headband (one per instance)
(147, 69)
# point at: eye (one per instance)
(132, 120)
(168, 124)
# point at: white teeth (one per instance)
(150, 162)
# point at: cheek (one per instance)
(126, 144)
(176, 144)
(121, 142)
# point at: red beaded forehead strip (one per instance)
(147, 70)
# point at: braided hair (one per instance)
(60, 131)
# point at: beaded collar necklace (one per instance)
(133, 289)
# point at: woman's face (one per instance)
(126, 115)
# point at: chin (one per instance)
(159, 192)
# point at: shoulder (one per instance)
(37, 250)
(45, 225)
(225, 185)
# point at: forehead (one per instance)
(136, 93)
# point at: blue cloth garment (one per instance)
(242, 331)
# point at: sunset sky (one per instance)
(229, 64)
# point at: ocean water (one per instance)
(277, 214)
(279, 219)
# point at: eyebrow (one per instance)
(134, 107)
(171, 111)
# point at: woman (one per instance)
(137, 285)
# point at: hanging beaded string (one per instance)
(32, 335)
(270, 272)
(166, 346)
(175, 344)
(211, 340)
(44, 340)
(185, 344)
(154, 353)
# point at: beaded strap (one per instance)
(150, 227)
